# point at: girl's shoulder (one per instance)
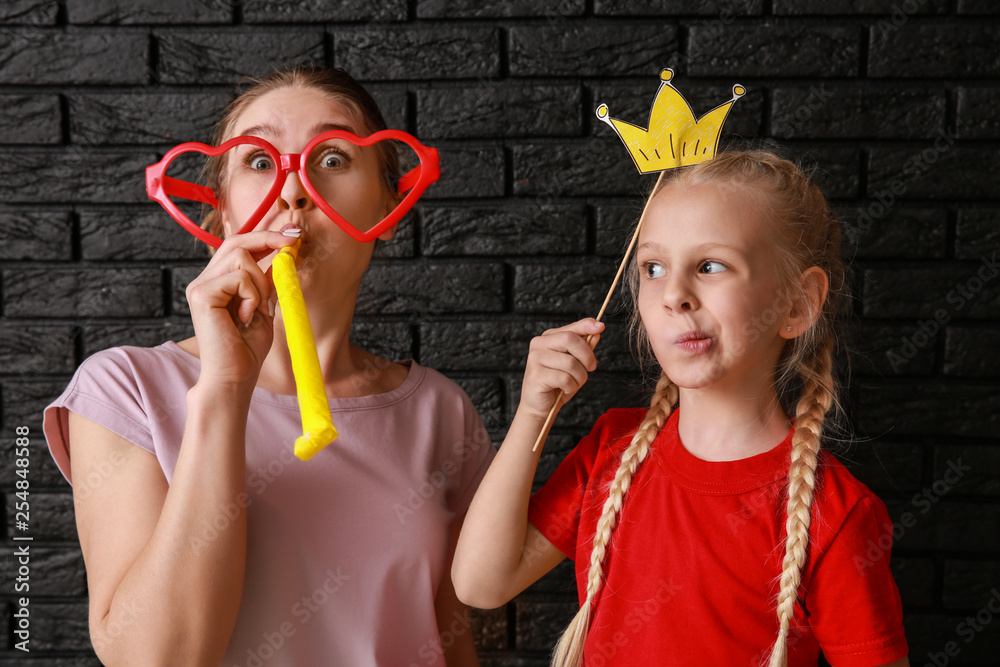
(614, 429)
(841, 499)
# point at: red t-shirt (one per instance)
(691, 574)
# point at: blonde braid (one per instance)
(569, 650)
(816, 400)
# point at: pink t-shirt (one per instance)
(345, 551)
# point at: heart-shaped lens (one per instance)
(345, 179)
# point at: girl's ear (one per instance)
(814, 284)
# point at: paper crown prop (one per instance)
(674, 138)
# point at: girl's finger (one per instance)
(571, 343)
(584, 327)
(564, 364)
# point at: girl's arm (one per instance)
(499, 552)
(453, 618)
(165, 563)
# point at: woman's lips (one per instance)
(693, 341)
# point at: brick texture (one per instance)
(30, 119)
(97, 57)
(125, 12)
(787, 50)
(29, 12)
(573, 49)
(893, 104)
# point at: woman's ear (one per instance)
(227, 229)
(388, 234)
(392, 201)
(814, 285)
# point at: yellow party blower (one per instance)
(317, 423)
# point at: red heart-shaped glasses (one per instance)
(161, 187)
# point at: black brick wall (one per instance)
(893, 101)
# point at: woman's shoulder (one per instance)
(131, 391)
(140, 362)
(434, 383)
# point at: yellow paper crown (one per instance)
(674, 138)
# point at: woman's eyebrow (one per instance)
(260, 130)
(326, 127)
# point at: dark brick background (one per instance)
(893, 101)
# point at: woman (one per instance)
(206, 542)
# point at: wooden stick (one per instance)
(547, 426)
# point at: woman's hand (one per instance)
(229, 303)
(558, 360)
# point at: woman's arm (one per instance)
(500, 553)
(164, 563)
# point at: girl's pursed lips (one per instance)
(693, 334)
(693, 341)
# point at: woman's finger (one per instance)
(221, 291)
(257, 245)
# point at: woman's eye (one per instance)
(259, 162)
(654, 270)
(712, 267)
(331, 161)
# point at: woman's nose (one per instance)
(293, 194)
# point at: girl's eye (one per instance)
(331, 161)
(712, 267)
(654, 270)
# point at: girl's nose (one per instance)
(677, 295)
(293, 195)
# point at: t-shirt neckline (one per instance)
(413, 379)
(723, 477)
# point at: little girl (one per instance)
(710, 528)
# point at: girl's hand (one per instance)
(559, 359)
(229, 307)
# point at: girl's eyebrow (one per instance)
(652, 245)
(725, 246)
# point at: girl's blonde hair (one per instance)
(336, 84)
(806, 233)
